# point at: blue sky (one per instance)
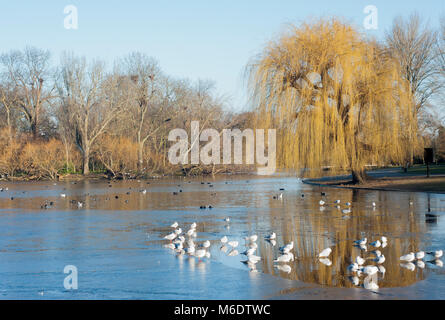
(190, 38)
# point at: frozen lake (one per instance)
(115, 240)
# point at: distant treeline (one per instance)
(337, 98)
(79, 116)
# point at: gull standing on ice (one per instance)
(380, 259)
(233, 244)
(408, 257)
(437, 254)
(272, 236)
(206, 244)
(174, 225)
(253, 259)
(376, 244)
(353, 267)
(361, 241)
(200, 253)
(360, 261)
(420, 255)
(288, 247)
(249, 252)
(370, 270)
(251, 238)
(170, 236)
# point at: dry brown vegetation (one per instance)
(115, 122)
(117, 154)
(43, 159)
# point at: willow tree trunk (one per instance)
(359, 176)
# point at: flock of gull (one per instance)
(183, 243)
(360, 267)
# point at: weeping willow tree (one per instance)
(335, 98)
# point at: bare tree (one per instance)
(30, 73)
(8, 101)
(412, 44)
(148, 103)
(441, 54)
(66, 132)
(92, 98)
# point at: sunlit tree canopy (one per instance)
(334, 96)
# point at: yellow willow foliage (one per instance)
(334, 97)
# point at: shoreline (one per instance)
(105, 177)
(385, 180)
(389, 179)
